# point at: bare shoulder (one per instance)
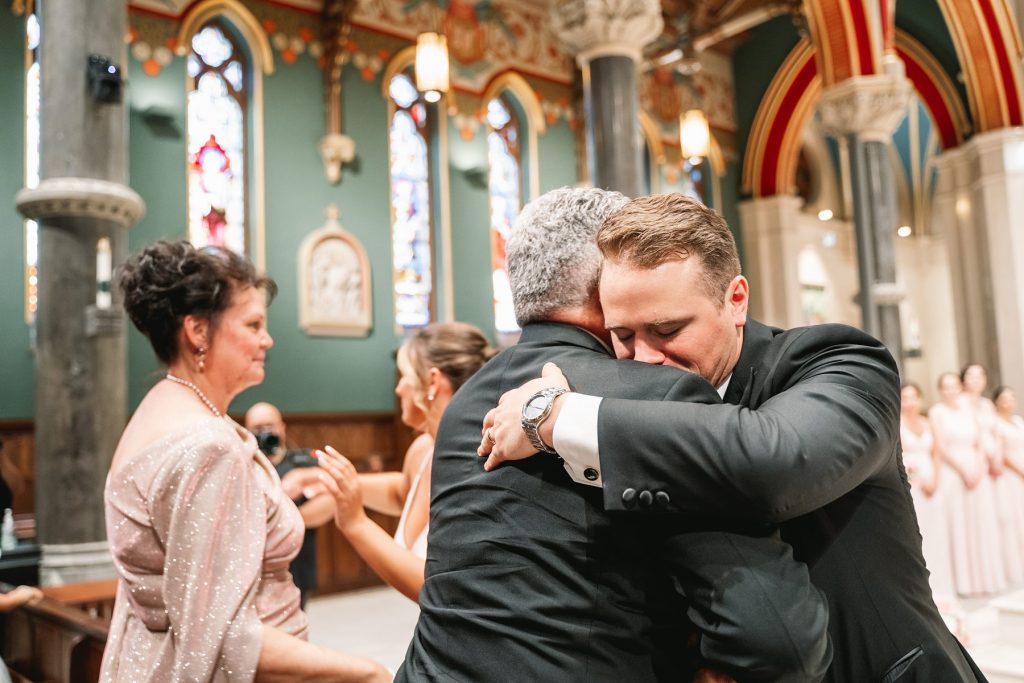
(421, 447)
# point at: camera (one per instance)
(104, 79)
(268, 441)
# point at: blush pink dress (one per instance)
(931, 513)
(971, 513)
(1009, 437)
(202, 535)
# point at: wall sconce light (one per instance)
(694, 136)
(431, 66)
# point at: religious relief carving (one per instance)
(592, 28)
(870, 107)
(334, 282)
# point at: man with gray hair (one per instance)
(529, 579)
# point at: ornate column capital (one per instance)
(597, 28)
(870, 107)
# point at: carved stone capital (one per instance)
(336, 149)
(56, 198)
(870, 107)
(597, 28)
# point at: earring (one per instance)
(430, 395)
(201, 358)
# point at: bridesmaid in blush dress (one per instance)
(199, 528)
(1009, 431)
(922, 465)
(971, 512)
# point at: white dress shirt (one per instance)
(575, 436)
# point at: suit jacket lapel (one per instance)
(756, 340)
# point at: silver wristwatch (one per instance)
(535, 411)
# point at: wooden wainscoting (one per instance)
(370, 439)
(18, 437)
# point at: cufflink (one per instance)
(590, 474)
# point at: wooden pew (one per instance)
(56, 642)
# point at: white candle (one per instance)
(103, 273)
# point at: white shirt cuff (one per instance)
(575, 438)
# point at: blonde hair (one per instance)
(456, 349)
(648, 231)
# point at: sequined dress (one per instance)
(201, 535)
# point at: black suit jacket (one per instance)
(529, 579)
(807, 437)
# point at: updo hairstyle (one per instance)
(456, 349)
(167, 281)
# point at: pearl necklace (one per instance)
(199, 393)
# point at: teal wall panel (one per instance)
(557, 157)
(17, 375)
(471, 236)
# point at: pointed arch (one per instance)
(988, 46)
(241, 19)
(769, 164)
(524, 95)
(255, 41)
(935, 88)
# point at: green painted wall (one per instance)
(16, 371)
(304, 374)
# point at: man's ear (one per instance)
(196, 331)
(738, 299)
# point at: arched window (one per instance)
(506, 193)
(219, 76)
(32, 133)
(692, 180)
(409, 163)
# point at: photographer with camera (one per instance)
(297, 469)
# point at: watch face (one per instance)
(534, 409)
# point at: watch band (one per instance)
(531, 426)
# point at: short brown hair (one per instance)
(167, 281)
(648, 231)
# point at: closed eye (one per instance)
(623, 335)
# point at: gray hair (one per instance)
(552, 255)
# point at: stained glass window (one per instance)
(410, 204)
(693, 179)
(216, 140)
(505, 186)
(32, 93)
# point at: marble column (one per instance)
(979, 201)
(607, 37)
(771, 250)
(84, 208)
(866, 111)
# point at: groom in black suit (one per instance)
(807, 436)
(529, 579)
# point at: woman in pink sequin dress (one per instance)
(922, 464)
(199, 528)
(971, 512)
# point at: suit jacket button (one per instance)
(591, 474)
(661, 500)
(646, 498)
(629, 498)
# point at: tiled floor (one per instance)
(376, 623)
